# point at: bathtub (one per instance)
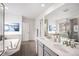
(11, 46)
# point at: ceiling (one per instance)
(29, 10)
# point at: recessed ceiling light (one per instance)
(42, 5)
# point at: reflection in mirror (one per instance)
(63, 24)
(69, 29)
(74, 29)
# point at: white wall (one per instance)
(32, 29)
(10, 18)
(37, 26)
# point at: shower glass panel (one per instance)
(1, 29)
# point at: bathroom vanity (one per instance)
(47, 47)
(43, 50)
(59, 32)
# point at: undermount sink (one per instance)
(66, 49)
(60, 48)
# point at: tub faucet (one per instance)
(11, 44)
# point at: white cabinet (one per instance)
(45, 51)
(48, 52)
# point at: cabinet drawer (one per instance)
(50, 52)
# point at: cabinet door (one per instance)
(49, 52)
(46, 53)
(40, 49)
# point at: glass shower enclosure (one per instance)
(8, 45)
(2, 14)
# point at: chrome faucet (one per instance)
(70, 43)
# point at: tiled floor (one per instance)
(28, 48)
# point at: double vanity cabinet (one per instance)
(44, 50)
(46, 47)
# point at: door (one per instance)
(25, 31)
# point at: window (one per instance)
(12, 27)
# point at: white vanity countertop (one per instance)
(60, 49)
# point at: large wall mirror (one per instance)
(63, 22)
